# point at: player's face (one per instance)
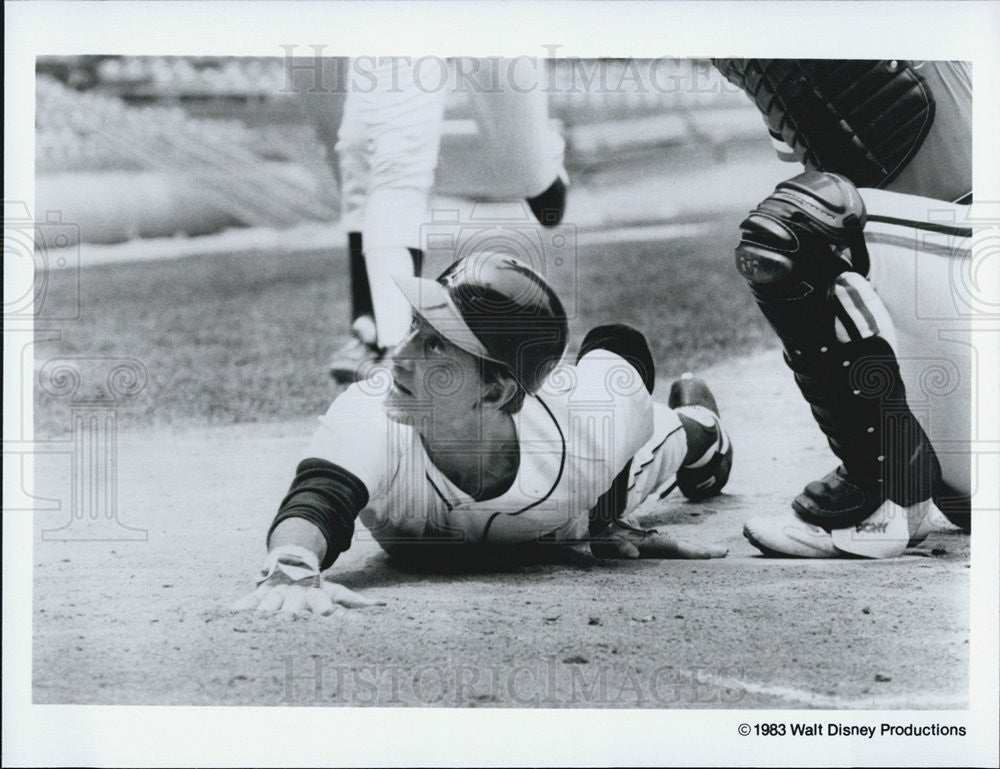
(432, 378)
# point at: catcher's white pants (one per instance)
(927, 282)
(942, 167)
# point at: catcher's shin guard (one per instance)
(803, 253)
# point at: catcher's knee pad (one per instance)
(795, 247)
(808, 230)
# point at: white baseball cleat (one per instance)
(355, 360)
(884, 534)
(789, 536)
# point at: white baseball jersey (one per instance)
(575, 436)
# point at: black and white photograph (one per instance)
(594, 396)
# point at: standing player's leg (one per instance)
(803, 251)
(352, 163)
(397, 126)
(340, 130)
(920, 259)
(526, 151)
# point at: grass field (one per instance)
(245, 337)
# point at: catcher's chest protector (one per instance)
(862, 119)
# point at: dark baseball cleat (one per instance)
(834, 499)
(707, 475)
(354, 361)
(691, 391)
(550, 205)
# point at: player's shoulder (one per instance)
(361, 401)
(357, 435)
(601, 376)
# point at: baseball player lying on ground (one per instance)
(475, 438)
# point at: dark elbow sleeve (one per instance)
(627, 342)
(328, 496)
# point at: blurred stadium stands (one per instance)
(230, 136)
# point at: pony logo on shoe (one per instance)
(872, 528)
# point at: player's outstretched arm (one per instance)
(314, 524)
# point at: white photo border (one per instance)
(154, 736)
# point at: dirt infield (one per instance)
(144, 620)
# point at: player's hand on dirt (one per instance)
(619, 541)
(342, 596)
(290, 581)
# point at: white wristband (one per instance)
(294, 561)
